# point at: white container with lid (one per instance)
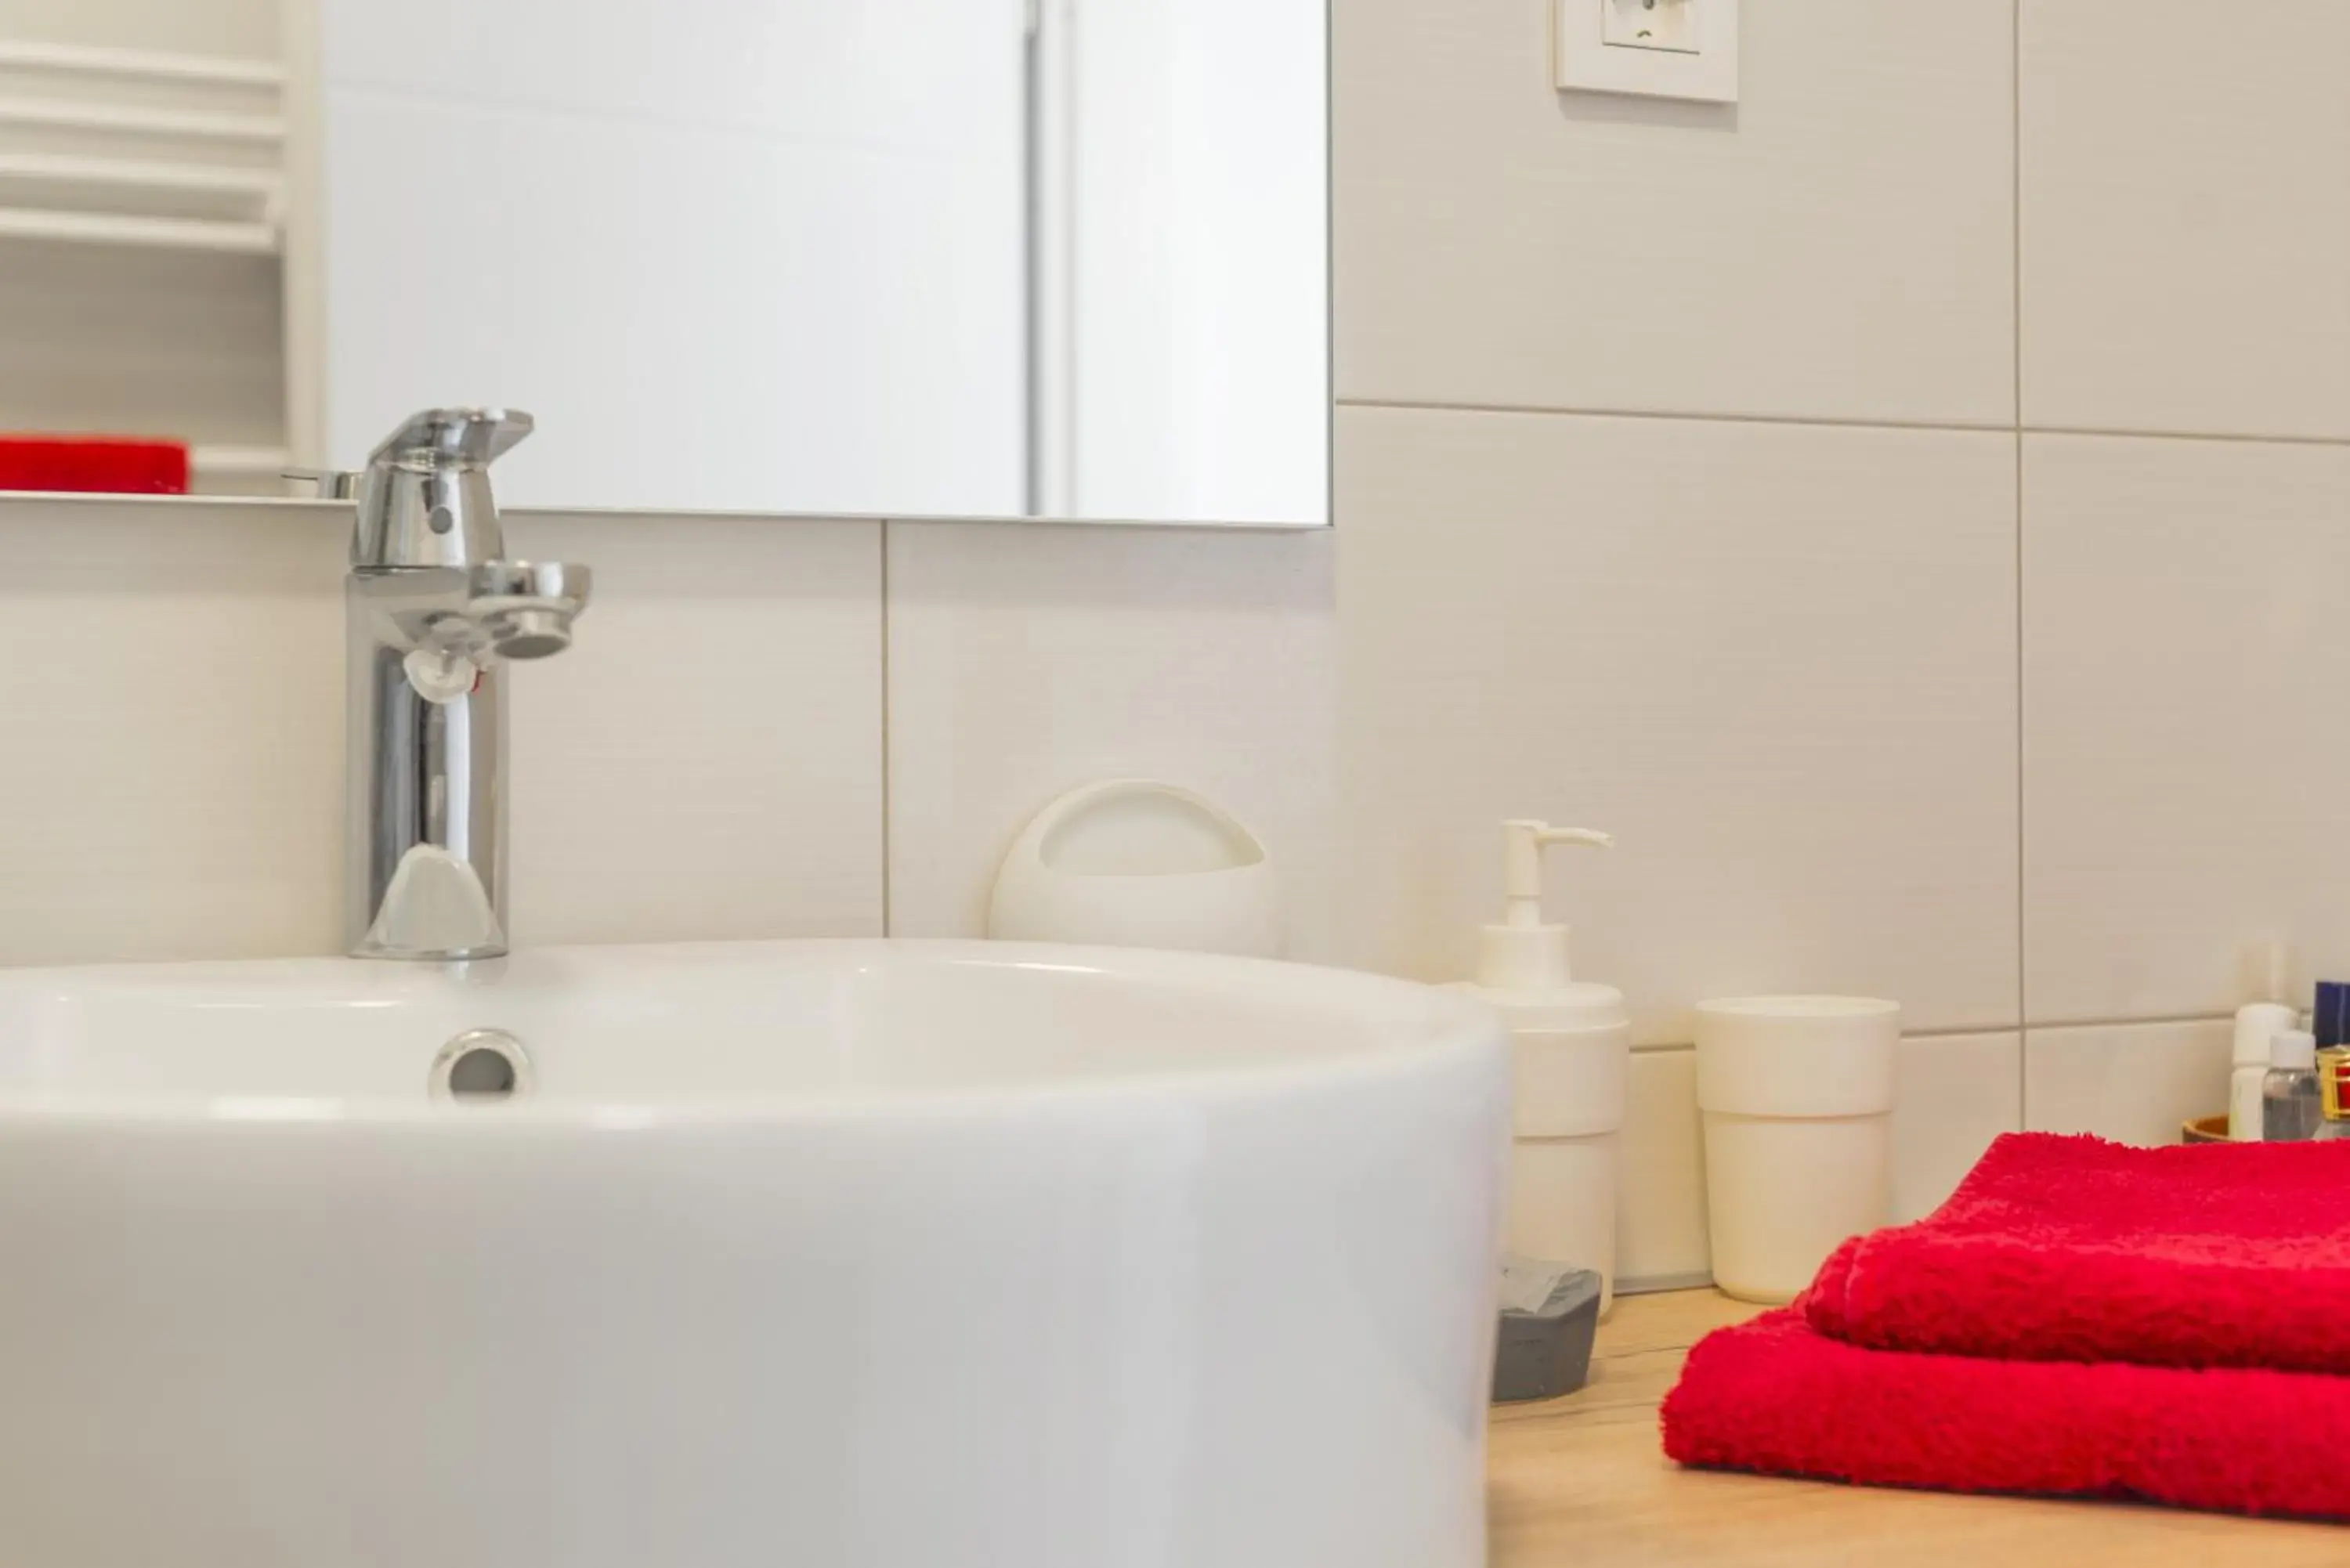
(1570, 1043)
(1797, 1097)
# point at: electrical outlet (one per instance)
(1667, 24)
(1650, 48)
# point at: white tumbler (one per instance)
(1797, 1096)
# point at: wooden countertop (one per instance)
(1582, 1480)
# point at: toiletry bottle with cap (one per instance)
(2257, 1024)
(2288, 1099)
(1570, 1047)
(2333, 1094)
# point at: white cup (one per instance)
(1797, 1096)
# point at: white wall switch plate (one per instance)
(1650, 48)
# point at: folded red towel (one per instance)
(93, 463)
(1773, 1396)
(2073, 1248)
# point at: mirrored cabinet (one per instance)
(988, 258)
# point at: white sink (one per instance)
(794, 1255)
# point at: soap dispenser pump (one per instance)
(1523, 953)
(1570, 1049)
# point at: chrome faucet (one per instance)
(434, 610)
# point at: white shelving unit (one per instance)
(130, 148)
(150, 151)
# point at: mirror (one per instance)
(969, 258)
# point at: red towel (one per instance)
(2073, 1248)
(1775, 1395)
(93, 462)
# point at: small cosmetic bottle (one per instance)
(2333, 1094)
(2289, 1095)
(2330, 1019)
(2257, 1024)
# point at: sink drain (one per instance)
(480, 1064)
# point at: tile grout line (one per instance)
(2014, 427)
(1414, 406)
(886, 921)
(1991, 1031)
(2023, 792)
(2049, 1025)
(2085, 432)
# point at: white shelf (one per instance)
(263, 186)
(137, 119)
(72, 59)
(123, 229)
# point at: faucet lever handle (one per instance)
(453, 438)
(425, 499)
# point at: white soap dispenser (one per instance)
(1571, 1044)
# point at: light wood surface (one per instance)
(1582, 1480)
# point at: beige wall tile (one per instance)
(1839, 244)
(2186, 217)
(1778, 661)
(705, 760)
(2131, 1082)
(2184, 662)
(1955, 1093)
(173, 682)
(1026, 661)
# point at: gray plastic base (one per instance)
(1544, 1350)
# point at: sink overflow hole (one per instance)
(480, 1064)
(481, 1071)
